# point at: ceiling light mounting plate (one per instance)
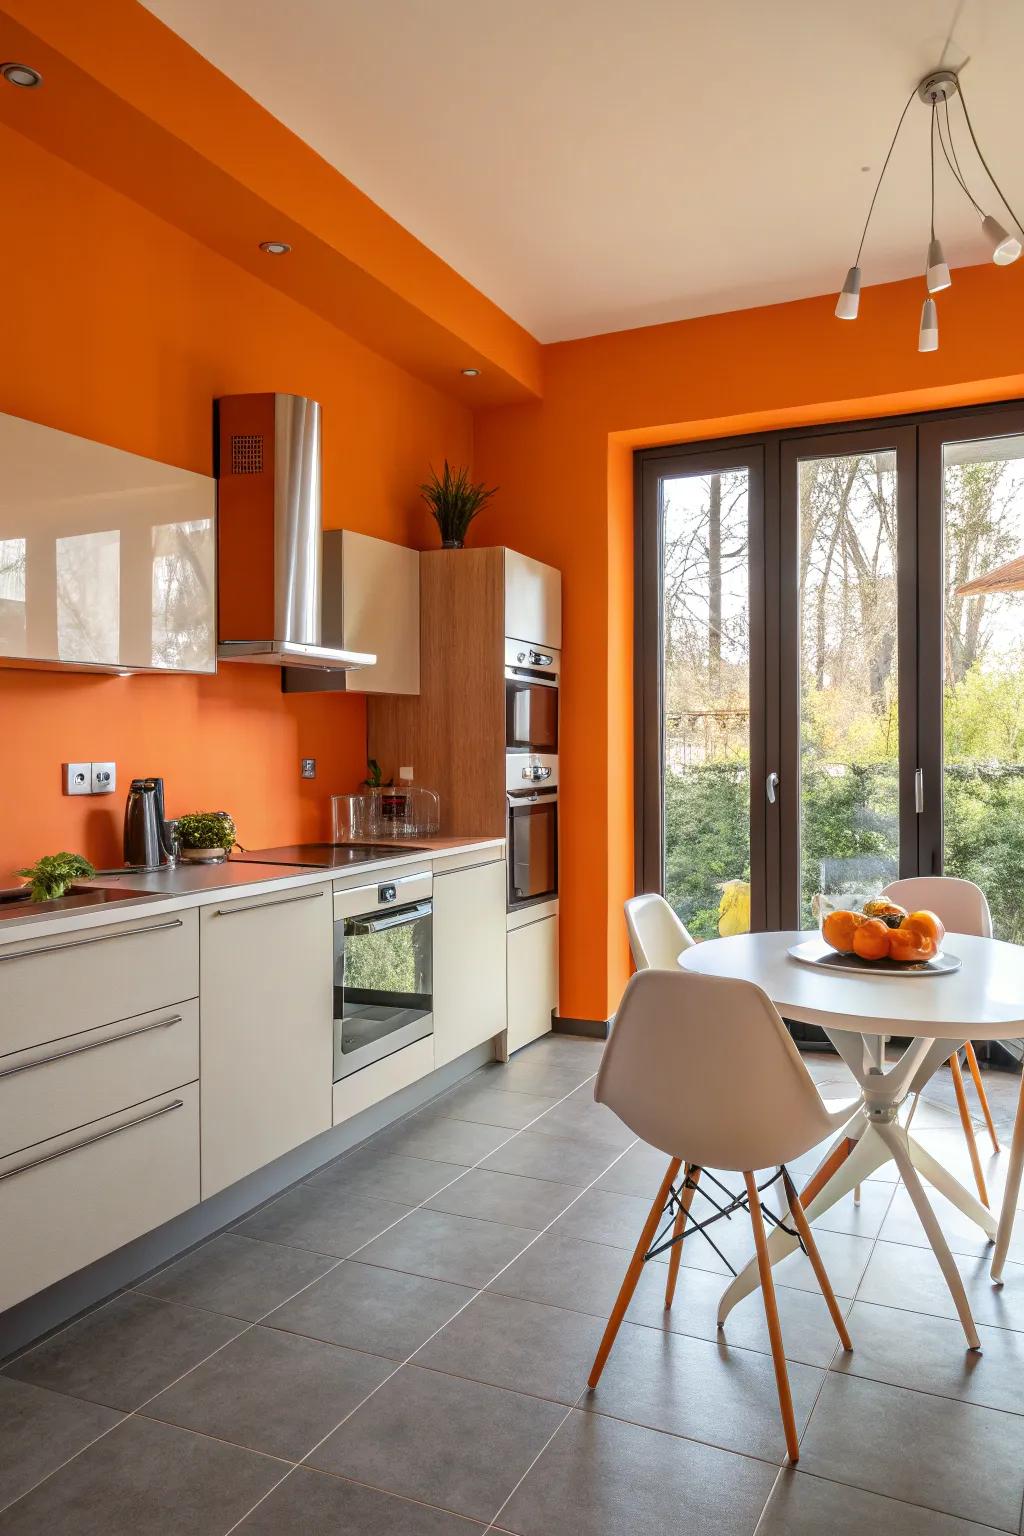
(938, 85)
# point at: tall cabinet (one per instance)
(453, 732)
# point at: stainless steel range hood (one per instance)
(269, 527)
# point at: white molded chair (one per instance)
(703, 1068)
(656, 935)
(962, 907)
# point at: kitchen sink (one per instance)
(14, 902)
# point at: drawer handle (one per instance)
(115, 1130)
(101, 938)
(281, 901)
(92, 1045)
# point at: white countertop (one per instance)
(192, 885)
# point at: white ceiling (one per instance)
(593, 165)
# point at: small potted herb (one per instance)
(52, 876)
(454, 501)
(205, 837)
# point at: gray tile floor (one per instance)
(399, 1347)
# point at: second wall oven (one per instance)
(383, 970)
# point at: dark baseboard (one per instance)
(595, 1029)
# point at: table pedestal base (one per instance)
(872, 1138)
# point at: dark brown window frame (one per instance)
(917, 436)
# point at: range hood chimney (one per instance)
(269, 534)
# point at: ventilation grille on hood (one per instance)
(247, 453)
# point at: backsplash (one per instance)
(231, 742)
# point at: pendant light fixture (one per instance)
(936, 91)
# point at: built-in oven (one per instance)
(532, 845)
(531, 698)
(383, 970)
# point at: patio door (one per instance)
(820, 706)
(849, 659)
(706, 700)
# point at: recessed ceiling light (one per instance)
(471, 373)
(275, 247)
(21, 74)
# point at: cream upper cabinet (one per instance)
(266, 1029)
(107, 560)
(532, 980)
(469, 959)
(371, 603)
(533, 600)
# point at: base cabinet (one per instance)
(76, 1197)
(266, 1030)
(532, 981)
(469, 959)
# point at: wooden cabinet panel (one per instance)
(266, 1022)
(469, 959)
(55, 986)
(532, 980)
(70, 1200)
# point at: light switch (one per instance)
(307, 767)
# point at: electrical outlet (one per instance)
(103, 778)
(77, 778)
(307, 767)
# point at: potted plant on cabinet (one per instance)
(454, 501)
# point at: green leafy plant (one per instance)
(454, 501)
(206, 829)
(51, 875)
(375, 775)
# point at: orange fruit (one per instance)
(871, 940)
(838, 928)
(927, 924)
(908, 942)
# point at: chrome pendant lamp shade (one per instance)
(936, 90)
(848, 302)
(936, 271)
(928, 333)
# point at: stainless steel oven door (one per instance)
(532, 846)
(531, 698)
(383, 974)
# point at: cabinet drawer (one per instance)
(51, 987)
(81, 1077)
(382, 1078)
(77, 1197)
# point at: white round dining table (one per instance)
(982, 1000)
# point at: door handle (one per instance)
(919, 791)
(771, 784)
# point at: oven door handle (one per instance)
(356, 926)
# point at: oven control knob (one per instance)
(387, 893)
(520, 656)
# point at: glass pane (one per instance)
(88, 596)
(849, 740)
(983, 676)
(706, 678)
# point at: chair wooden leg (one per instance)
(817, 1182)
(817, 1264)
(636, 1264)
(771, 1312)
(676, 1254)
(975, 1070)
(965, 1121)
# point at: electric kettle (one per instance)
(146, 840)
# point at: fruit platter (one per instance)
(881, 937)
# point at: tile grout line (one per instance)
(138, 1410)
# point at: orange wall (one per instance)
(119, 327)
(564, 466)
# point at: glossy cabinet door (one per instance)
(469, 959)
(533, 601)
(107, 559)
(532, 980)
(266, 1029)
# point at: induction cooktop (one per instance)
(326, 855)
